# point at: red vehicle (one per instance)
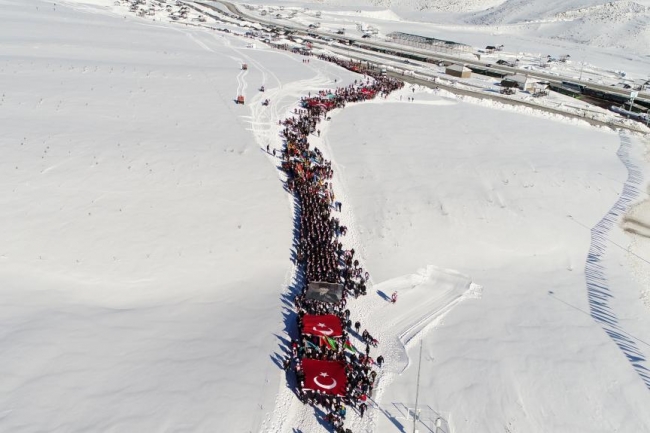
(240, 99)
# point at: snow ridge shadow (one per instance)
(289, 313)
(598, 291)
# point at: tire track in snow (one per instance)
(264, 119)
(598, 290)
(241, 81)
(199, 43)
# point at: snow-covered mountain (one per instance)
(622, 23)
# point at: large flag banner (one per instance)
(327, 325)
(325, 376)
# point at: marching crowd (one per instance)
(320, 252)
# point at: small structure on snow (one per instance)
(522, 82)
(426, 43)
(540, 88)
(493, 48)
(460, 71)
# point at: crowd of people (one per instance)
(320, 252)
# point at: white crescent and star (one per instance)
(331, 385)
(322, 329)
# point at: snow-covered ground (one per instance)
(508, 200)
(145, 234)
(146, 241)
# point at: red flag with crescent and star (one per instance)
(325, 325)
(325, 376)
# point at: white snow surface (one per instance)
(468, 189)
(146, 236)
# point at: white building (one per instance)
(523, 82)
(460, 71)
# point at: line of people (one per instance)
(320, 252)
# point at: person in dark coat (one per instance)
(362, 409)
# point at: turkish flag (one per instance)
(326, 376)
(327, 325)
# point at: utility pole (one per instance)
(417, 390)
(582, 66)
(633, 96)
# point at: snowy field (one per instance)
(507, 200)
(146, 242)
(145, 233)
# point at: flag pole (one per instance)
(417, 390)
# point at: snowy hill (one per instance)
(519, 11)
(145, 262)
(454, 6)
(621, 23)
(624, 24)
